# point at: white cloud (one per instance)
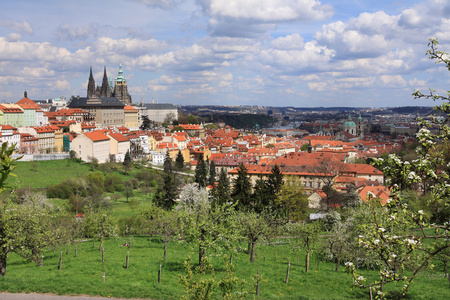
(289, 42)
(23, 27)
(268, 10)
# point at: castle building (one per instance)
(120, 90)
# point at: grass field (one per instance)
(83, 274)
(40, 174)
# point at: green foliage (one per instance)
(146, 123)
(198, 284)
(221, 193)
(127, 159)
(398, 234)
(247, 121)
(241, 193)
(201, 173)
(212, 173)
(179, 161)
(292, 203)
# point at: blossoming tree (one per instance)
(402, 239)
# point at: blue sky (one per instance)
(300, 53)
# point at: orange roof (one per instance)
(380, 192)
(96, 136)
(119, 137)
(130, 108)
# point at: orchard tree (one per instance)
(8, 164)
(211, 227)
(256, 226)
(400, 236)
(291, 202)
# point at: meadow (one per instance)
(83, 274)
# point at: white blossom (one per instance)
(420, 212)
(376, 242)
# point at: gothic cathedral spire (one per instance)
(91, 85)
(105, 90)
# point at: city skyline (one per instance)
(301, 53)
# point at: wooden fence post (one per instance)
(159, 273)
(128, 258)
(60, 261)
(257, 284)
(287, 273)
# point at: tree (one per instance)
(291, 201)
(304, 236)
(212, 173)
(391, 233)
(165, 196)
(254, 226)
(100, 226)
(330, 168)
(179, 161)
(202, 223)
(221, 193)
(263, 200)
(169, 118)
(127, 158)
(8, 164)
(165, 223)
(146, 123)
(201, 173)
(241, 193)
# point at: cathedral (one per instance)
(120, 89)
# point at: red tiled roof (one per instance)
(96, 136)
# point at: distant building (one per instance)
(157, 112)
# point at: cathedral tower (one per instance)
(121, 89)
(91, 85)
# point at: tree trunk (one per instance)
(249, 245)
(3, 257)
(337, 264)
(201, 255)
(253, 251)
(307, 262)
(165, 247)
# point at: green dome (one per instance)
(349, 123)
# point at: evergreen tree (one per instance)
(179, 161)
(166, 196)
(200, 173)
(263, 199)
(167, 163)
(146, 123)
(275, 180)
(221, 193)
(212, 173)
(127, 158)
(241, 193)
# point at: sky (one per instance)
(300, 53)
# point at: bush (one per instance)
(113, 183)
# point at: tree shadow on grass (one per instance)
(173, 266)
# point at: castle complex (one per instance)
(120, 89)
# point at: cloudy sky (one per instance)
(301, 53)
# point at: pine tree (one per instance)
(167, 163)
(146, 123)
(221, 193)
(212, 173)
(241, 193)
(127, 158)
(200, 173)
(262, 195)
(179, 161)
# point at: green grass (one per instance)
(40, 174)
(83, 274)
